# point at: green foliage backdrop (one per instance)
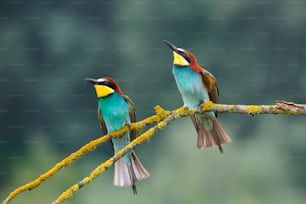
(256, 50)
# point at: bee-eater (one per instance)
(115, 110)
(196, 86)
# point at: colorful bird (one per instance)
(116, 110)
(196, 86)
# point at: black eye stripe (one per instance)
(107, 83)
(184, 54)
(181, 53)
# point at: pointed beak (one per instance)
(90, 80)
(177, 58)
(101, 90)
(171, 45)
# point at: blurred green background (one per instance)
(256, 50)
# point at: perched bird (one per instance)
(116, 110)
(196, 86)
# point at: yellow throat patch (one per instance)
(103, 91)
(179, 60)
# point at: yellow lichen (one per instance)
(231, 107)
(207, 106)
(136, 127)
(67, 194)
(253, 110)
(121, 131)
(161, 125)
(184, 111)
(144, 137)
(160, 112)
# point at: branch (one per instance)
(280, 107)
(105, 165)
(92, 145)
(162, 118)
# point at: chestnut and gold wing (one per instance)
(210, 83)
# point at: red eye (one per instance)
(184, 54)
(109, 84)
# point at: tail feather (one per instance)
(139, 170)
(223, 137)
(205, 139)
(123, 176)
(216, 136)
(126, 174)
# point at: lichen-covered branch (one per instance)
(162, 118)
(92, 145)
(280, 107)
(105, 165)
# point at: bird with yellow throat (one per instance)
(196, 86)
(115, 110)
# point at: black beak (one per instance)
(172, 46)
(93, 81)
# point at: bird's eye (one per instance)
(184, 54)
(181, 53)
(109, 84)
(105, 83)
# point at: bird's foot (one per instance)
(205, 106)
(200, 108)
(129, 126)
(185, 107)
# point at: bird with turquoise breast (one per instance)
(115, 110)
(196, 86)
